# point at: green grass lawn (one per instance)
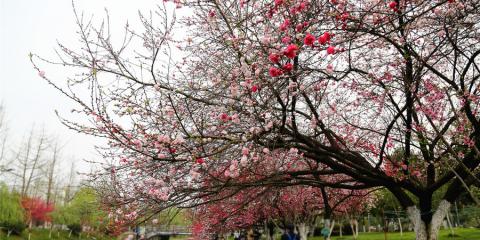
(43, 234)
(461, 234)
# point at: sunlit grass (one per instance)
(44, 234)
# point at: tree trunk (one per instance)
(354, 227)
(400, 226)
(450, 224)
(341, 228)
(267, 227)
(302, 230)
(329, 225)
(428, 230)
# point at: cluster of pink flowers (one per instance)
(292, 50)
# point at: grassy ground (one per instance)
(44, 234)
(460, 234)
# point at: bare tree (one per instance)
(51, 171)
(30, 158)
(71, 180)
(3, 139)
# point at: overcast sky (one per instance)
(35, 26)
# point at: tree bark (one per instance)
(400, 226)
(354, 227)
(428, 230)
(450, 224)
(268, 229)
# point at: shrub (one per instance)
(75, 228)
(15, 228)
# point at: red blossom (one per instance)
(37, 210)
(275, 72)
(291, 51)
(393, 5)
(299, 27)
(211, 13)
(331, 50)
(224, 117)
(324, 38)
(288, 67)
(275, 58)
(309, 40)
(285, 25)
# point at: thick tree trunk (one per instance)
(302, 230)
(428, 230)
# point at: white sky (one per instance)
(35, 26)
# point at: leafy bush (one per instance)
(75, 228)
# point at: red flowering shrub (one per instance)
(37, 210)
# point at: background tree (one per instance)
(4, 165)
(11, 212)
(50, 172)
(84, 210)
(29, 160)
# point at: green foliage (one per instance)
(11, 211)
(173, 216)
(84, 209)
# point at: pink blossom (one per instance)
(286, 40)
(285, 25)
